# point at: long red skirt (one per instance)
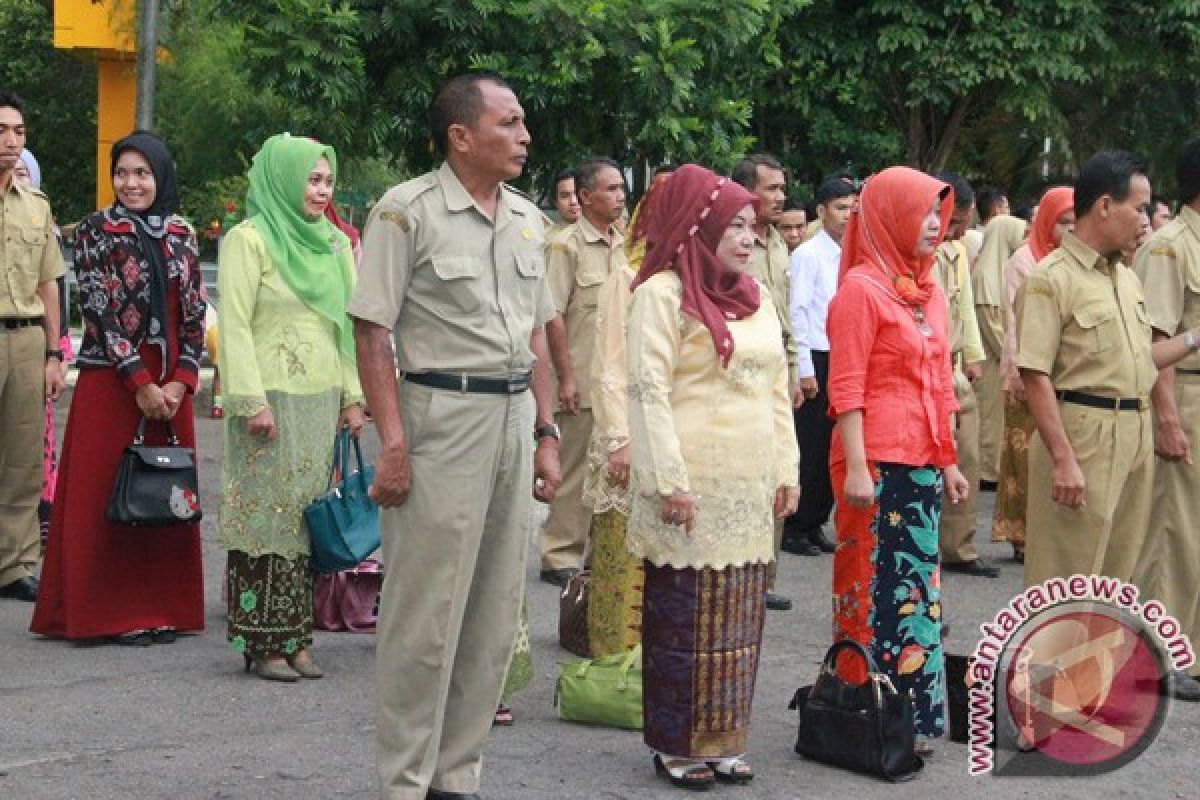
(99, 578)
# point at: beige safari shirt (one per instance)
(1081, 320)
(578, 263)
(29, 254)
(953, 274)
(1168, 264)
(460, 292)
(770, 262)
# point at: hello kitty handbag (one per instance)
(156, 485)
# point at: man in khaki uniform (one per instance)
(1086, 359)
(1168, 265)
(566, 202)
(30, 264)
(770, 262)
(989, 389)
(577, 264)
(952, 270)
(453, 265)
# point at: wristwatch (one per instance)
(543, 431)
(58, 354)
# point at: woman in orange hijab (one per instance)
(1055, 216)
(891, 392)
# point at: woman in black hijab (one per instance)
(143, 307)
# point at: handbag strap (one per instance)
(335, 462)
(358, 458)
(829, 664)
(139, 435)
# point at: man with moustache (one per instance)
(453, 266)
(30, 372)
(578, 263)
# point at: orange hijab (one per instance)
(883, 231)
(1055, 202)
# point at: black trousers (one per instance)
(813, 432)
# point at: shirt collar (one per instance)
(1084, 254)
(457, 197)
(591, 235)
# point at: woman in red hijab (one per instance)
(1055, 216)
(713, 464)
(891, 392)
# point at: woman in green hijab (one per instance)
(287, 363)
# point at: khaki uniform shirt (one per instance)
(770, 263)
(1168, 264)
(460, 292)
(29, 254)
(953, 274)
(578, 263)
(1082, 321)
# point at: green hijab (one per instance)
(309, 254)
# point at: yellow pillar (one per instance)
(116, 106)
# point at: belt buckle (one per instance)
(516, 385)
(466, 382)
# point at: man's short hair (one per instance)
(10, 99)
(834, 188)
(986, 200)
(1187, 170)
(668, 167)
(588, 172)
(792, 204)
(1107, 172)
(964, 195)
(560, 176)
(459, 102)
(745, 172)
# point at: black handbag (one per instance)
(866, 728)
(155, 485)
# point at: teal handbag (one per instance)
(343, 523)
(602, 691)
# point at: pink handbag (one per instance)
(349, 600)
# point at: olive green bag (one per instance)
(602, 691)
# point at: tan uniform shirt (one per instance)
(1081, 320)
(578, 263)
(770, 262)
(460, 292)
(953, 274)
(1168, 264)
(29, 254)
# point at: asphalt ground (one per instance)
(101, 722)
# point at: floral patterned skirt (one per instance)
(270, 604)
(615, 591)
(1012, 490)
(887, 585)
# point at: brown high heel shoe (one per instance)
(271, 671)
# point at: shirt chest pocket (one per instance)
(588, 281)
(1098, 328)
(459, 282)
(28, 244)
(531, 269)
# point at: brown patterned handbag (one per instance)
(573, 614)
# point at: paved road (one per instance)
(182, 722)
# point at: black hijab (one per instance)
(151, 225)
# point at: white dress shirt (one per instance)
(814, 280)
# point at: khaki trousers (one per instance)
(455, 560)
(22, 428)
(566, 531)
(1169, 568)
(957, 532)
(1115, 451)
(989, 394)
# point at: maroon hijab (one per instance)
(692, 212)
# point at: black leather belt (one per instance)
(1182, 371)
(12, 323)
(1098, 401)
(461, 382)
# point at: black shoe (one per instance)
(973, 567)
(799, 547)
(558, 577)
(777, 602)
(817, 536)
(21, 589)
(438, 794)
(1184, 687)
(133, 639)
(987, 486)
(164, 635)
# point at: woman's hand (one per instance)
(262, 424)
(152, 401)
(618, 465)
(787, 498)
(679, 509)
(859, 487)
(957, 487)
(352, 417)
(174, 392)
